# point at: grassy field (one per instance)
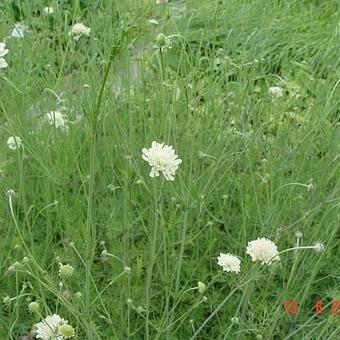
(246, 92)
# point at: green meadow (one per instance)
(247, 93)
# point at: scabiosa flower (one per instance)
(78, 30)
(3, 49)
(161, 158)
(14, 142)
(48, 328)
(66, 271)
(3, 63)
(3, 52)
(57, 119)
(48, 10)
(275, 91)
(263, 250)
(66, 331)
(19, 30)
(319, 247)
(229, 262)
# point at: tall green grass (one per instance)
(253, 165)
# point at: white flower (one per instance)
(3, 49)
(78, 30)
(263, 250)
(229, 262)
(19, 30)
(48, 10)
(275, 91)
(161, 158)
(3, 63)
(161, 2)
(3, 52)
(319, 247)
(14, 142)
(57, 119)
(153, 22)
(47, 329)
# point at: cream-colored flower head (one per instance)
(263, 250)
(47, 329)
(3, 52)
(161, 158)
(275, 91)
(229, 262)
(48, 10)
(66, 271)
(19, 30)
(319, 247)
(57, 119)
(3, 63)
(78, 30)
(3, 49)
(14, 142)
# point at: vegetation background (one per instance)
(254, 165)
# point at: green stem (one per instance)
(90, 226)
(212, 315)
(152, 260)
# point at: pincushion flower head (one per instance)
(263, 250)
(19, 30)
(48, 10)
(161, 158)
(3, 49)
(229, 262)
(3, 52)
(275, 91)
(14, 142)
(57, 119)
(3, 63)
(53, 327)
(78, 30)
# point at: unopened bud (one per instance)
(161, 40)
(66, 331)
(66, 271)
(25, 260)
(34, 307)
(6, 300)
(201, 287)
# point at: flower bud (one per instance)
(34, 307)
(235, 320)
(10, 193)
(6, 300)
(319, 247)
(161, 40)
(25, 260)
(298, 234)
(201, 287)
(11, 270)
(67, 331)
(66, 271)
